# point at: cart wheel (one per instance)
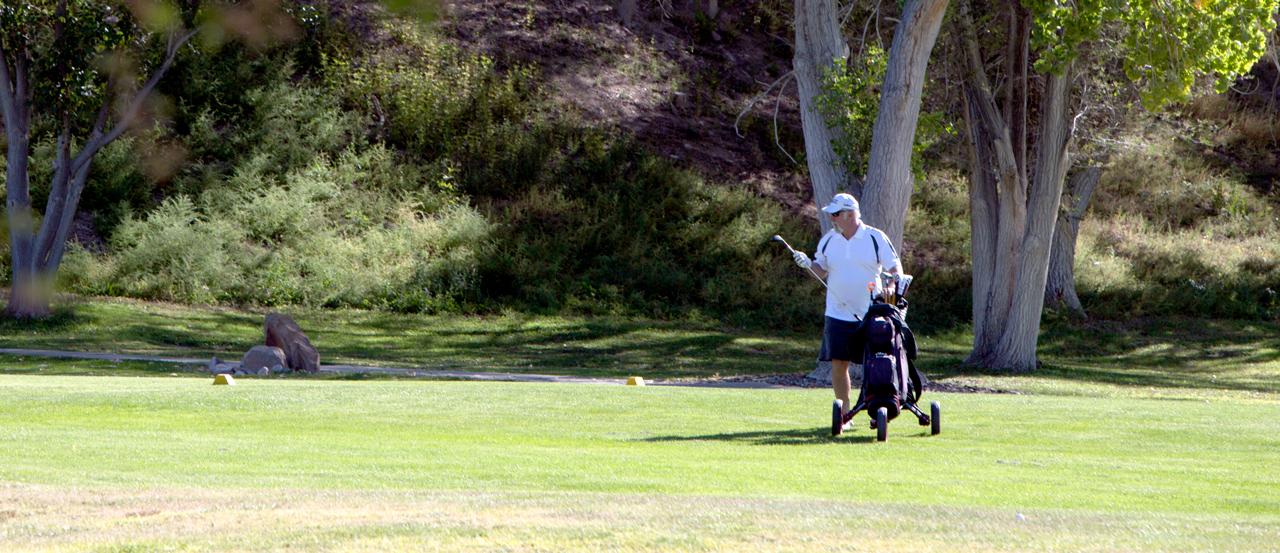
(935, 415)
(882, 424)
(837, 418)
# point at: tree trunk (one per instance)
(984, 218)
(1013, 223)
(1016, 350)
(25, 300)
(36, 258)
(1061, 288)
(1017, 61)
(997, 199)
(887, 191)
(822, 373)
(818, 44)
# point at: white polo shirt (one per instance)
(850, 265)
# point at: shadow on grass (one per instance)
(604, 346)
(131, 328)
(1158, 352)
(809, 436)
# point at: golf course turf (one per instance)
(123, 464)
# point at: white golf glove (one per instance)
(803, 260)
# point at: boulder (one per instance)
(263, 360)
(218, 366)
(283, 333)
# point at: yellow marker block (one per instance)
(635, 381)
(224, 379)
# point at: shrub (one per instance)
(602, 226)
(177, 253)
(356, 231)
(1127, 268)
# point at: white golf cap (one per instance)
(841, 202)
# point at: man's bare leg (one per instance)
(840, 383)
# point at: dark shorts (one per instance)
(837, 341)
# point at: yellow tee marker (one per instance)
(224, 379)
(635, 381)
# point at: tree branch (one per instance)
(755, 100)
(875, 15)
(97, 140)
(776, 105)
(7, 103)
(54, 207)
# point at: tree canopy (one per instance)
(1165, 44)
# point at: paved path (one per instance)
(393, 371)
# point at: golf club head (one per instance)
(779, 239)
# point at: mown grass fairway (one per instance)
(130, 464)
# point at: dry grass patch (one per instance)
(48, 518)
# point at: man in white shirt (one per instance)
(850, 256)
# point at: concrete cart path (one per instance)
(391, 371)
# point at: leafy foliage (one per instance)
(850, 102)
(1166, 44)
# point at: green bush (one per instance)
(427, 103)
(177, 253)
(600, 225)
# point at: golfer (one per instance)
(850, 257)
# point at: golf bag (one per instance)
(889, 375)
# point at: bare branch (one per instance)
(755, 100)
(98, 140)
(775, 123)
(848, 11)
(875, 15)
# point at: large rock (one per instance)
(283, 333)
(260, 358)
(218, 366)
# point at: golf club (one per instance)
(839, 300)
(777, 238)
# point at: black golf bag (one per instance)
(889, 375)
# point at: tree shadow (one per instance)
(1170, 352)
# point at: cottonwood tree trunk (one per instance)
(1013, 221)
(1060, 291)
(886, 193)
(37, 256)
(818, 44)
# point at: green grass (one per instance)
(1147, 435)
(583, 346)
(395, 464)
(1176, 357)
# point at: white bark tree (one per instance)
(1014, 199)
(70, 29)
(1060, 291)
(819, 43)
(887, 189)
(1012, 220)
(886, 192)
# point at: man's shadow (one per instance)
(807, 436)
